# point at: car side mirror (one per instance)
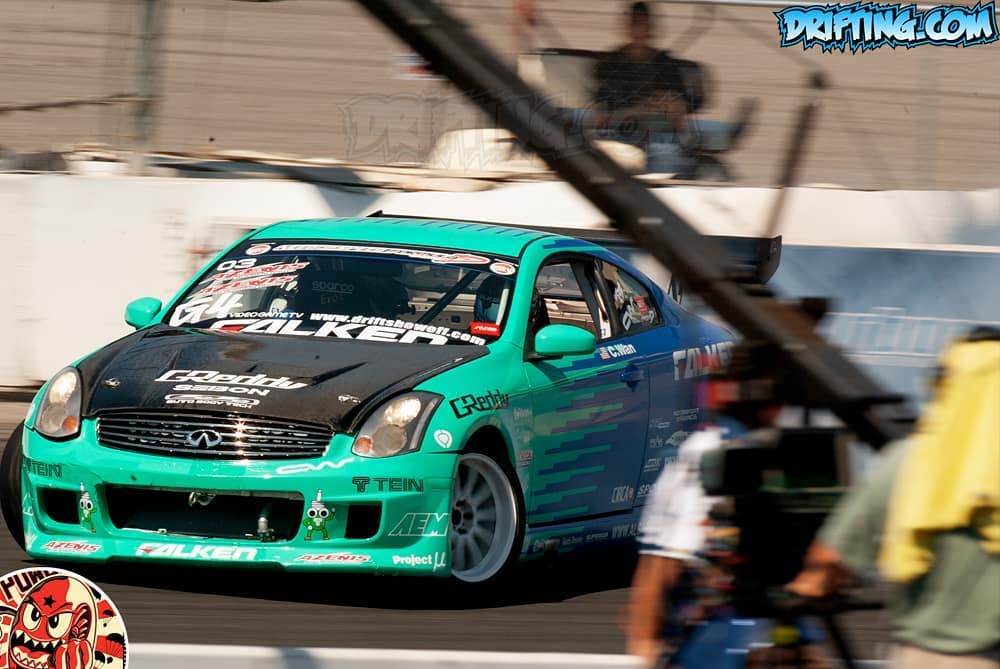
(555, 341)
(140, 313)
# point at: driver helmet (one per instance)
(488, 299)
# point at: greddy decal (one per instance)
(365, 328)
(211, 400)
(439, 257)
(213, 377)
(196, 552)
(466, 404)
(52, 618)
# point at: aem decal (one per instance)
(421, 525)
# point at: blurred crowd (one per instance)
(925, 520)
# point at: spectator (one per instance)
(640, 89)
(929, 519)
(672, 534)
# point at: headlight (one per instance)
(58, 414)
(396, 427)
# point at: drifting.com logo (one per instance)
(867, 26)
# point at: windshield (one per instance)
(400, 294)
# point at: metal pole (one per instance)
(828, 378)
(146, 82)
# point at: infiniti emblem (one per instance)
(203, 439)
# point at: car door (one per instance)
(654, 328)
(590, 411)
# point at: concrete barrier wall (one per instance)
(75, 249)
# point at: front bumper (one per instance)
(405, 502)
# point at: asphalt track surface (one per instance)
(573, 604)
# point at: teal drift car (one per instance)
(371, 395)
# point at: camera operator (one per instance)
(929, 518)
(673, 530)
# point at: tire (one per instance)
(10, 486)
(487, 520)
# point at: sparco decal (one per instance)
(387, 484)
(212, 377)
(337, 558)
(196, 552)
(421, 525)
(366, 328)
(466, 404)
(694, 362)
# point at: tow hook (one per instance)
(264, 532)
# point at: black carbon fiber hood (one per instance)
(326, 381)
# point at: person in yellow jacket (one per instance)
(929, 518)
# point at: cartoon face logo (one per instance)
(87, 511)
(54, 626)
(316, 518)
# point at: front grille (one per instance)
(208, 435)
(222, 515)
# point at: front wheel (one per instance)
(486, 520)
(10, 486)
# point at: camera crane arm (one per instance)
(828, 378)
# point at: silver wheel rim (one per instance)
(483, 519)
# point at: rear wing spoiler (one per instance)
(756, 258)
